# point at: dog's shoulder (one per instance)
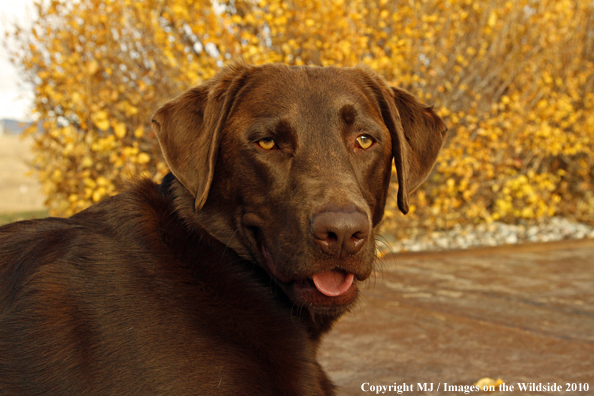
(82, 246)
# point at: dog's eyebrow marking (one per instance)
(284, 128)
(348, 114)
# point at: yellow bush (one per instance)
(512, 79)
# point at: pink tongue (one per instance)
(333, 283)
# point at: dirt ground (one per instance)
(18, 192)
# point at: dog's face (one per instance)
(290, 168)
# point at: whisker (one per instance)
(229, 240)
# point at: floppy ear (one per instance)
(189, 129)
(416, 141)
(417, 133)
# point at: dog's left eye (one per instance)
(267, 143)
(364, 141)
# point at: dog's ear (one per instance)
(189, 128)
(417, 134)
(416, 141)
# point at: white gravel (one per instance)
(493, 234)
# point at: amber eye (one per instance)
(364, 141)
(266, 143)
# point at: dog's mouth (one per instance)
(329, 289)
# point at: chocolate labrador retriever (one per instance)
(223, 278)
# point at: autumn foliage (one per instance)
(513, 79)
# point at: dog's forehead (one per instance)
(317, 91)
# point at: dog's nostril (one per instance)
(359, 235)
(332, 237)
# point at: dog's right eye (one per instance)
(266, 143)
(364, 141)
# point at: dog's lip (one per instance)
(272, 267)
(305, 292)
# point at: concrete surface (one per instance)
(522, 313)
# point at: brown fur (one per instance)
(202, 285)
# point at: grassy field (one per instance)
(6, 218)
(18, 193)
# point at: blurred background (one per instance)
(512, 79)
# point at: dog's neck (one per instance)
(183, 201)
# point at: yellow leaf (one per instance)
(120, 130)
(57, 176)
(139, 132)
(92, 67)
(102, 181)
(143, 158)
(488, 384)
(102, 124)
(100, 120)
(98, 194)
(492, 19)
(87, 162)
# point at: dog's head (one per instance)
(290, 167)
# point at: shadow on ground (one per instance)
(521, 313)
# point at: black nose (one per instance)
(340, 233)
